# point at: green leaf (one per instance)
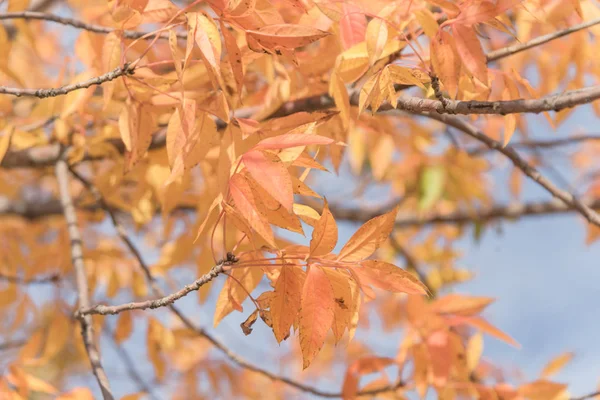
(431, 186)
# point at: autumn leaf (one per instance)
(285, 303)
(111, 58)
(556, 364)
(362, 366)
(316, 313)
(376, 37)
(245, 203)
(286, 35)
(470, 51)
(324, 235)
(368, 237)
(272, 175)
(353, 25)
(389, 277)
(235, 57)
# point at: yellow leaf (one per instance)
(376, 37)
(338, 91)
(5, 141)
(474, 351)
(556, 364)
(124, 327)
(306, 213)
(428, 22)
(111, 59)
(316, 313)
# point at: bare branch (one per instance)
(555, 102)
(12, 344)
(587, 396)
(53, 278)
(541, 144)
(33, 211)
(75, 23)
(520, 163)
(157, 303)
(87, 330)
(519, 47)
(53, 92)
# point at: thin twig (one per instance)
(75, 23)
(157, 303)
(87, 329)
(53, 278)
(541, 144)
(587, 396)
(519, 47)
(13, 344)
(53, 92)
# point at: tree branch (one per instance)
(87, 330)
(75, 23)
(53, 92)
(587, 396)
(53, 278)
(157, 303)
(554, 102)
(33, 211)
(519, 47)
(541, 144)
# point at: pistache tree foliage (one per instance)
(164, 161)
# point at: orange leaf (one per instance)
(446, 62)
(111, 58)
(369, 237)
(235, 57)
(362, 366)
(353, 25)
(286, 35)
(325, 235)
(484, 326)
(244, 202)
(273, 176)
(470, 51)
(316, 313)
(285, 303)
(389, 277)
